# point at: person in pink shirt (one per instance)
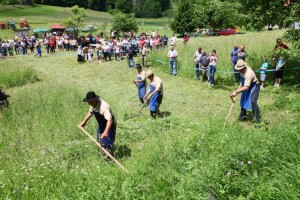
(212, 67)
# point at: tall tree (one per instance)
(292, 34)
(184, 20)
(218, 14)
(125, 22)
(124, 5)
(76, 20)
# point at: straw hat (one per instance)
(240, 65)
(149, 73)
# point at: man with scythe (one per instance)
(155, 93)
(249, 87)
(106, 121)
(141, 82)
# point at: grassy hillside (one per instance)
(44, 16)
(188, 154)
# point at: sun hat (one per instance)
(240, 65)
(149, 73)
(90, 96)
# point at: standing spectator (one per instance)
(173, 40)
(23, 46)
(280, 44)
(262, 72)
(10, 48)
(80, 55)
(241, 54)
(204, 62)
(47, 44)
(249, 87)
(197, 56)
(155, 93)
(141, 82)
(172, 55)
(100, 54)
(165, 41)
(212, 67)
(151, 44)
(144, 54)
(52, 45)
(233, 59)
(106, 51)
(129, 55)
(186, 39)
(38, 49)
(90, 54)
(4, 49)
(279, 71)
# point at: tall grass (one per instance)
(16, 76)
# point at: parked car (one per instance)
(89, 28)
(227, 31)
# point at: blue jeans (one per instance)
(211, 73)
(173, 67)
(130, 60)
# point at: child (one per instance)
(90, 54)
(279, 71)
(100, 54)
(262, 72)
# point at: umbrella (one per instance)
(40, 30)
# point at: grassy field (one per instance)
(41, 16)
(188, 154)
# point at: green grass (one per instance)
(186, 155)
(43, 16)
(16, 76)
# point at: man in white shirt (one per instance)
(173, 40)
(172, 55)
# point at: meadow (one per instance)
(187, 154)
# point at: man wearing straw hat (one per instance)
(155, 93)
(106, 121)
(141, 82)
(249, 87)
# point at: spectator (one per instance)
(212, 67)
(279, 71)
(262, 72)
(233, 58)
(173, 40)
(197, 56)
(165, 41)
(144, 54)
(204, 65)
(129, 55)
(241, 54)
(172, 55)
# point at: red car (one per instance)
(227, 31)
(2, 25)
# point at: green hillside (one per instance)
(187, 154)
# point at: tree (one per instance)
(184, 20)
(218, 14)
(125, 22)
(261, 13)
(76, 20)
(292, 35)
(124, 6)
